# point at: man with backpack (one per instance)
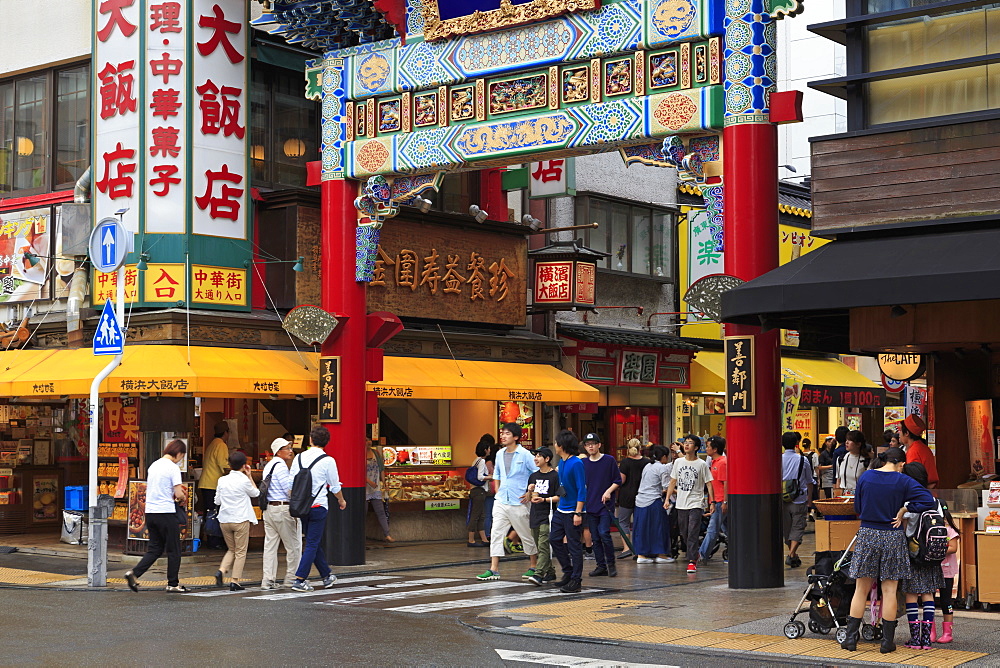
(796, 490)
(314, 473)
(279, 525)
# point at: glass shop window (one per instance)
(414, 421)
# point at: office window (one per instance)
(927, 41)
(638, 237)
(44, 130)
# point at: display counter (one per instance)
(988, 565)
(425, 503)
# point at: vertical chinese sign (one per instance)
(740, 396)
(170, 118)
(551, 178)
(329, 389)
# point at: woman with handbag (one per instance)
(236, 514)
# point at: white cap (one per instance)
(278, 444)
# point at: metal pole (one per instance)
(97, 543)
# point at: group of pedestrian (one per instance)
(232, 497)
(556, 500)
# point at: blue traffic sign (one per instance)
(108, 339)
(109, 245)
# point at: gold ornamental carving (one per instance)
(506, 16)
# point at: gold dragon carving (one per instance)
(506, 16)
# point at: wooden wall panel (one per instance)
(913, 175)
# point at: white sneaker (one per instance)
(268, 586)
(302, 586)
(645, 560)
(665, 560)
(329, 581)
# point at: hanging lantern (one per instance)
(565, 276)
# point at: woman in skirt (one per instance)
(925, 580)
(650, 522)
(880, 552)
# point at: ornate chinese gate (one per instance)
(455, 88)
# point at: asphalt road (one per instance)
(51, 627)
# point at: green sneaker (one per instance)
(489, 575)
(528, 574)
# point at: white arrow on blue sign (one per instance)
(108, 339)
(109, 245)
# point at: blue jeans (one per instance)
(570, 553)
(716, 523)
(600, 532)
(312, 547)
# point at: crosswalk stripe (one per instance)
(480, 602)
(573, 661)
(351, 580)
(392, 596)
(350, 590)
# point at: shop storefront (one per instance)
(637, 373)
(819, 394)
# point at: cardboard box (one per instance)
(988, 563)
(835, 535)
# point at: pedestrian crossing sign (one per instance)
(108, 338)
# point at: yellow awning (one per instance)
(213, 372)
(708, 369)
(14, 363)
(433, 378)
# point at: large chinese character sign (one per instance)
(170, 117)
(739, 375)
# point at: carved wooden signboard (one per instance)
(449, 273)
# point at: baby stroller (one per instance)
(829, 591)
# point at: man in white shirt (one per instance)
(163, 488)
(325, 479)
(690, 477)
(279, 525)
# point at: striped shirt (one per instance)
(280, 488)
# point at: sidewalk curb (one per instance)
(254, 583)
(686, 650)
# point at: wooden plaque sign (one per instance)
(442, 272)
(739, 376)
(329, 389)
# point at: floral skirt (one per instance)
(881, 554)
(926, 579)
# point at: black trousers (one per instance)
(570, 553)
(164, 534)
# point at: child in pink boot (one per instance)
(949, 569)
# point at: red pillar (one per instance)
(751, 242)
(345, 297)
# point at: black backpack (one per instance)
(301, 499)
(929, 542)
(790, 489)
(264, 486)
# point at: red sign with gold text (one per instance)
(120, 423)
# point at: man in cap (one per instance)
(603, 479)
(215, 465)
(513, 466)
(279, 525)
(911, 434)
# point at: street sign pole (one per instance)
(97, 543)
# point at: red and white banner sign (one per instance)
(170, 115)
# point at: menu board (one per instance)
(417, 455)
(45, 497)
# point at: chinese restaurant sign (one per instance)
(329, 389)
(844, 397)
(169, 115)
(445, 273)
(565, 283)
(740, 396)
(638, 368)
(551, 178)
(120, 422)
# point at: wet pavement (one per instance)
(651, 613)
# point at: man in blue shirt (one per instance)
(513, 466)
(567, 520)
(794, 511)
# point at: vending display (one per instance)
(425, 485)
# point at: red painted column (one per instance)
(751, 242)
(345, 297)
